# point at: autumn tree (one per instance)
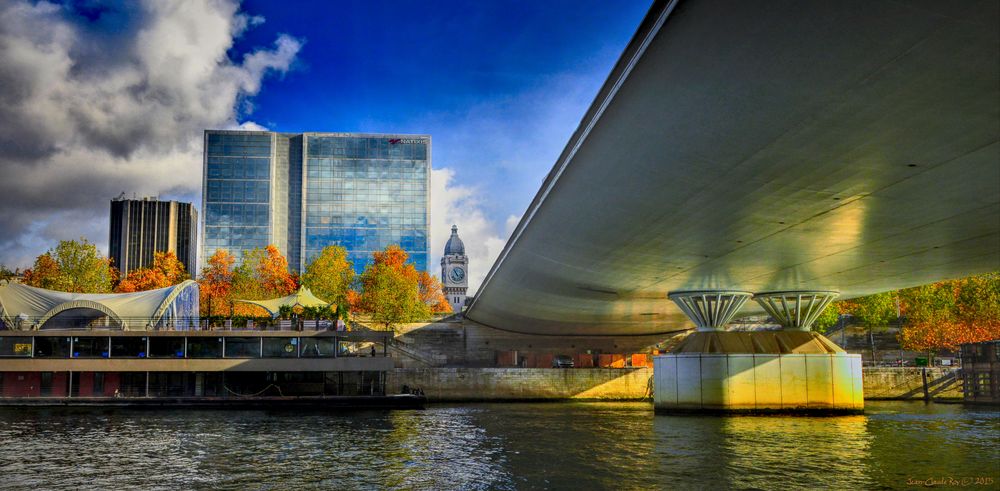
(166, 271)
(216, 284)
(432, 293)
(262, 274)
(44, 273)
(72, 266)
(329, 276)
(390, 291)
(947, 314)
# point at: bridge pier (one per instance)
(793, 370)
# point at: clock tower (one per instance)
(455, 271)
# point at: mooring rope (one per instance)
(257, 394)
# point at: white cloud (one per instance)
(85, 115)
(453, 204)
(247, 126)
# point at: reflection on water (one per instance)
(494, 446)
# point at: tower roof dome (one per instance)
(454, 245)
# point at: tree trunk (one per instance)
(923, 375)
(871, 336)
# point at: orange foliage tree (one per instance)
(216, 284)
(262, 274)
(353, 302)
(166, 271)
(390, 291)
(44, 273)
(432, 293)
(947, 314)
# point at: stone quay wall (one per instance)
(623, 384)
(510, 384)
(908, 383)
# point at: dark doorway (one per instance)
(45, 386)
(98, 384)
(74, 384)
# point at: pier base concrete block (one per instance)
(781, 383)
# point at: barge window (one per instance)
(52, 346)
(166, 347)
(318, 347)
(90, 347)
(132, 384)
(360, 348)
(199, 347)
(281, 347)
(242, 347)
(170, 384)
(15, 346)
(128, 347)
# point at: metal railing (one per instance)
(94, 346)
(214, 323)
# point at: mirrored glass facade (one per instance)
(365, 193)
(303, 192)
(237, 192)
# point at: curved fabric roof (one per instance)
(303, 297)
(126, 310)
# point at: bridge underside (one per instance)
(785, 145)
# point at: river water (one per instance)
(498, 446)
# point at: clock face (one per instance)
(456, 275)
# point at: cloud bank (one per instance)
(111, 101)
(454, 204)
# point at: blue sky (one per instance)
(106, 97)
(499, 86)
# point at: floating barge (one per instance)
(240, 368)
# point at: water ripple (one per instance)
(492, 446)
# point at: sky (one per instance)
(99, 98)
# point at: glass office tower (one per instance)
(303, 192)
(236, 196)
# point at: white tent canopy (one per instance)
(26, 307)
(303, 297)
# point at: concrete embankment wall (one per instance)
(908, 383)
(466, 384)
(500, 384)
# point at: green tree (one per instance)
(7, 274)
(390, 290)
(308, 313)
(827, 319)
(72, 267)
(978, 299)
(329, 276)
(874, 310)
